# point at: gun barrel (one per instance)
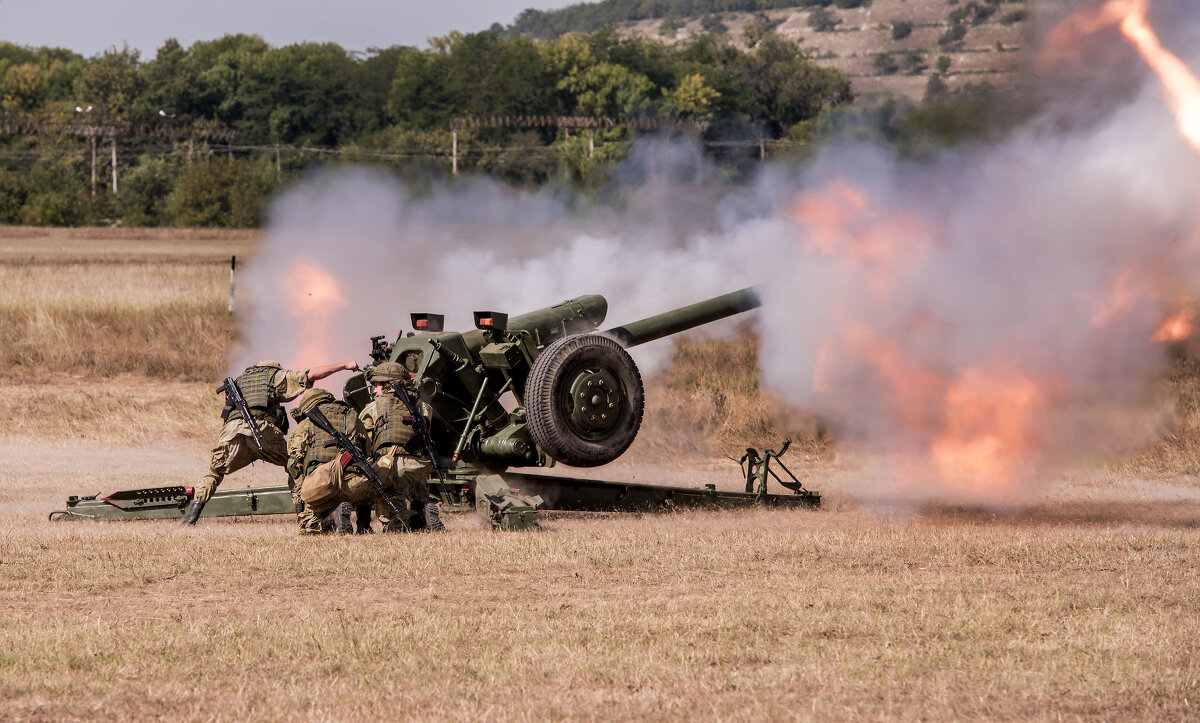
(684, 318)
(574, 316)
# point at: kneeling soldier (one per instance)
(387, 425)
(325, 477)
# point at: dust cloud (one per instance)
(974, 320)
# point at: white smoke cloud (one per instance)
(479, 244)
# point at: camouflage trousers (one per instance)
(326, 486)
(405, 476)
(332, 483)
(236, 449)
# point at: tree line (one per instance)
(321, 100)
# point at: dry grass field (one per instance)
(1082, 607)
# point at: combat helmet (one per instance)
(387, 372)
(312, 398)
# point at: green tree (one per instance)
(111, 83)
(691, 99)
(221, 193)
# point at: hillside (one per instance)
(884, 46)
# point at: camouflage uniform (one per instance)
(266, 386)
(325, 478)
(331, 490)
(389, 439)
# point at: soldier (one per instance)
(389, 439)
(265, 386)
(324, 481)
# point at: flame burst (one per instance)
(1129, 17)
(979, 428)
(1176, 327)
(314, 300)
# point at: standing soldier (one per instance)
(389, 437)
(324, 481)
(265, 386)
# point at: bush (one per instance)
(12, 198)
(943, 64)
(712, 24)
(822, 20)
(913, 62)
(953, 35)
(146, 193)
(884, 64)
(936, 90)
(221, 192)
(901, 29)
(1016, 16)
(51, 208)
(848, 4)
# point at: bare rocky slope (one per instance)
(862, 44)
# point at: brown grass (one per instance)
(23, 244)
(746, 615)
(109, 306)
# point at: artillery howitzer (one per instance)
(531, 391)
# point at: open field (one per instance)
(1082, 607)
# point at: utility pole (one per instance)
(92, 133)
(114, 159)
(454, 152)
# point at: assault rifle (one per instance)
(422, 430)
(232, 392)
(360, 460)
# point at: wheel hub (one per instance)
(596, 401)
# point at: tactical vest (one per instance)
(343, 419)
(260, 396)
(389, 427)
(255, 384)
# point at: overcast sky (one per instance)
(90, 26)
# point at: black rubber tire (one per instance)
(548, 403)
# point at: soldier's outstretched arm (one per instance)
(318, 373)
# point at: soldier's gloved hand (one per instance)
(350, 366)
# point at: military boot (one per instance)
(339, 519)
(362, 520)
(433, 520)
(193, 513)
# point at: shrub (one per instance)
(146, 193)
(711, 23)
(51, 208)
(220, 192)
(913, 62)
(943, 64)
(953, 35)
(901, 29)
(12, 198)
(822, 20)
(884, 64)
(1016, 16)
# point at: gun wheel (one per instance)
(584, 400)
